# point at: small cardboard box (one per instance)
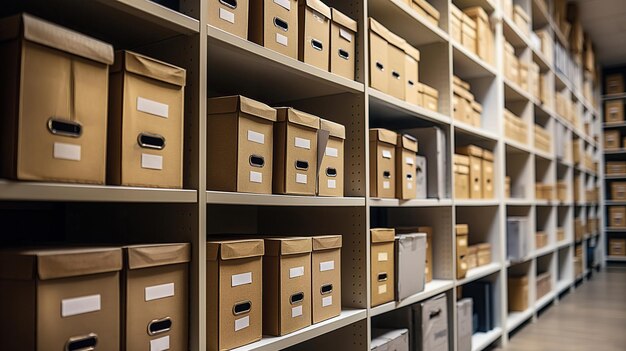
(477, 111)
(464, 324)
(286, 285)
(614, 111)
(295, 152)
(455, 23)
(314, 33)
(430, 98)
(488, 175)
(274, 25)
(468, 33)
(507, 187)
(618, 191)
(343, 31)
(614, 83)
(461, 177)
(617, 216)
(331, 170)
(230, 16)
(475, 155)
(240, 141)
(472, 257)
(432, 327)
(406, 170)
(326, 277)
(560, 234)
(427, 10)
(617, 247)
(462, 231)
(541, 240)
(390, 340)
(54, 102)
(396, 86)
(518, 293)
(379, 56)
(410, 264)
(382, 163)
(411, 73)
(612, 139)
(155, 283)
(60, 299)
(615, 167)
(383, 265)
(521, 19)
(421, 183)
(483, 254)
(484, 36)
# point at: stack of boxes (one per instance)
(534, 80)
(617, 247)
(546, 92)
(518, 294)
(544, 191)
(615, 167)
(618, 191)
(521, 19)
(541, 239)
(544, 284)
(614, 84)
(542, 138)
(426, 10)
(613, 140)
(515, 128)
(472, 29)
(465, 108)
(469, 256)
(474, 171)
(614, 111)
(511, 63)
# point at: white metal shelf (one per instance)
(515, 319)
(616, 258)
(615, 229)
(563, 285)
(614, 96)
(614, 151)
(248, 199)
(481, 340)
(563, 243)
(379, 202)
(614, 125)
(464, 128)
(479, 272)
(435, 287)
(513, 92)
(468, 65)
(519, 202)
(615, 176)
(476, 202)
(545, 300)
(513, 34)
(548, 249)
(615, 202)
(156, 13)
(390, 108)
(514, 146)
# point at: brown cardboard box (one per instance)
(488, 175)
(326, 277)
(427, 10)
(230, 16)
(472, 257)
(456, 19)
(461, 231)
(475, 154)
(523, 75)
(560, 234)
(543, 284)
(420, 94)
(617, 216)
(406, 171)
(274, 24)
(145, 140)
(314, 33)
(295, 152)
(484, 35)
(396, 60)
(483, 254)
(54, 102)
(58, 299)
(286, 285)
(379, 56)
(518, 293)
(240, 141)
(541, 240)
(614, 83)
(615, 167)
(430, 98)
(411, 73)
(155, 297)
(612, 139)
(521, 19)
(234, 293)
(382, 163)
(461, 177)
(614, 111)
(617, 247)
(468, 33)
(511, 62)
(383, 263)
(507, 187)
(477, 111)
(331, 169)
(343, 31)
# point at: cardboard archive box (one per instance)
(230, 16)
(343, 30)
(274, 25)
(475, 155)
(614, 83)
(326, 277)
(410, 251)
(430, 98)
(612, 139)
(295, 152)
(54, 102)
(521, 19)
(60, 299)
(617, 216)
(483, 254)
(543, 284)
(314, 33)
(411, 74)
(464, 324)
(331, 169)
(618, 191)
(614, 111)
(286, 285)
(145, 140)
(511, 63)
(383, 265)
(541, 239)
(487, 175)
(379, 56)
(463, 100)
(615, 167)
(477, 111)
(390, 340)
(421, 183)
(462, 233)
(382, 163)
(617, 247)
(155, 297)
(234, 293)
(406, 169)
(461, 177)
(456, 19)
(396, 82)
(468, 33)
(432, 324)
(518, 293)
(428, 11)
(484, 35)
(523, 75)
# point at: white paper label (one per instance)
(256, 137)
(382, 257)
(296, 311)
(409, 161)
(301, 178)
(227, 16)
(296, 272)
(80, 305)
(159, 291)
(241, 279)
(303, 143)
(284, 3)
(327, 301)
(242, 323)
(152, 107)
(332, 184)
(345, 34)
(332, 152)
(382, 289)
(386, 154)
(327, 266)
(151, 161)
(160, 344)
(256, 177)
(282, 39)
(409, 185)
(65, 151)
(386, 184)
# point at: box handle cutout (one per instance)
(296, 298)
(317, 45)
(230, 3)
(434, 314)
(257, 161)
(158, 326)
(411, 83)
(386, 174)
(476, 180)
(326, 289)
(302, 165)
(151, 141)
(380, 66)
(331, 172)
(242, 307)
(409, 176)
(395, 74)
(382, 277)
(344, 54)
(82, 343)
(281, 24)
(65, 127)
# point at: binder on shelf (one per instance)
(481, 294)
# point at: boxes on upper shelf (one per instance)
(517, 293)
(461, 231)
(427, 10)
(331, 169)
(230, 16)
(314, 33)
(326, 277)
(343, 31)
(410, 251)
(461, 177)
(523, 75)
(379, 57)
(617, 247)
(385, 340)
(515, 128)
(382, 162)
(382, 265)
(618, 191)
(406, 170)
(54, 124)
(396, 61)
(456, 19)
(484, 35)
(615, 167)
(534, 78)
(411, 75)
(475, 155)
(614, 111)
(463, 103)
(521, 19)
(464, 324)
(612, 139)
(432, 328)
(507, 8)
(274, 25)
(614, 83)
(617, 216)
(472, 257)
(468, 33)
(542, 138)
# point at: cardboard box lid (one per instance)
(468, 21)
(383, 135)
(318, 6)
(462, 92)
(288, 246)
(239, 103)
(148, 67)
(340, 18)
(383, 235)
(395, 40)
(461, 169)
(411, 51)
(143, 256)
(476, 12)
(472, 249)
(335, 129)
(487, 155)
(430, 91)
(408, 142)
(519, 10)
(430, 9)
(234, 249)
(420, 88)
(476, 106)
(461, 160)
(456, 12)
(461, 229)
(378, 28)
(470, 150)
(48, 34)
(326, 242)
(292, 115)
(483, 247)
(53, 263)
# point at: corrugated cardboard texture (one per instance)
(143, 256)
(342, 44)
(261, 28)
(326, 242)
(326, 275)
(410, 265)
(231, 20)
(382, 235)
(234, 249)
(314, 33)
(287, 246)
(379, 56)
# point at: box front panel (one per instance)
(461, 186)
(614, 111)
(617, 216)
(476, 182)
(315, 43)
(331, 172)
(396, 73)
(254, 159)
(487, 178)
(342, 51)
(300, 160)
(406, 175)
(230, 16)
(379, 63)
(382, 270)
(280, 26)
(411, 73)
(385, 171)
(326, 286)
(295, 292)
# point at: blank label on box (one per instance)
(301, 178)
(382, 257)
(332, 184)
(160, 344)
(80, 305)
(256, 137)
(327, 301)
(151, 161)
(152, 107)
(296, 272)
(303, 143)
(256, 177)
(241, 279)
(386, 154)
(65, 151)
(242, 323)
(296, 311)
(282, 39)
(327, 266)
(159, 291)
(382, 289)
(227, 16)
(332, 152)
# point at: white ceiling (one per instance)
(605, 22)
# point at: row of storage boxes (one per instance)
(542, 139)
(254, 148)
(307, 30)
(465, 108)
(542, 41)
(618, 191)
(617, 216)
(541, 239)
(515, 128)
(81, 113)
(550, 192)
(560, 234)
(426, 10)
(473, 173)
(579, 229)
(566, 108)
(613, 140)
(471, 28)
(518, 15)
(469, 256)
(518, 290)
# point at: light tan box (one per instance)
(560, 234)
(427, 10)
(456, 19)
(507, 8)
(54, 102)
(234, 293)
(518, 293)
(523, 75)
(331, 170)
(60, 299)
(295, 152)
(406, 167)
(477, 111)
(155, 297)
(383, 263)
(507, 187)
(475, 155)
(468, 33)
(484, 35)
(396, 61)
(286, 285)
(461, 250)
(614, 111)
(430, 98)
(420, 94)
(615, 167)
(617, 247)
(521, 19)
(472, 257)
(461, 177)
(488, 175)
(230, 16)
(382, 163)
(614, 83)
(617, 216)
(612, 139)
(411, 73)
(483, 254)
(326, 277)
(541, 240)
(274, 25)
(379, 56)
(343, 30)
(314, 33)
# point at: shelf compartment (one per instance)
(435, 287)
(378, 202)
(479, 272)
(388, 110)
(248, 199)
(515, 319)
(480, 341)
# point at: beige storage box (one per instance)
(396, 85)
(560, 234)
(425, 9)
(411, 74)
(406, 168)
(456, 19)
(615, 167)
(343, 38)
(487, 175)
(60, 299)
(155, 297)
(54, 105)
(523, 75)
(382, 163)
(507, 187)
(383, 263)
(326, 277)
(475, 155)
(614, 83)
(541, 240)
(379, 56)
(617, 216)
(521, 19)
(468, 33)
(274, 25)
(484, 35)
(295, 152)
(331, 170)
(477, 111)
(430, 98)
(461, 177)
(314, 33)
(483, 254)
(462, 233)
(230, 16)
(614, 111)
(471, 259)
(518, 293)
(612, 139)
(617, 247)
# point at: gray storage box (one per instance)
(432, 330)
(464, 324)
(421, 181)
(517, 235)
(410, 263)
(390, 340)
(433, 146)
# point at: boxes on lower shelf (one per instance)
(515, 128)
(617, 247)
(614, 111)
(544, 191)
(462, 231)
(612, 139)
(518, 293)
(542, 139)
(614, 83)
(461, 177)
(385, 340)
(325, 277)
(410, 261)
(544, 284)
(617, 216)
(432, 328)
(382, 163)
(618, 191)
(616, 168)
(382, 265)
